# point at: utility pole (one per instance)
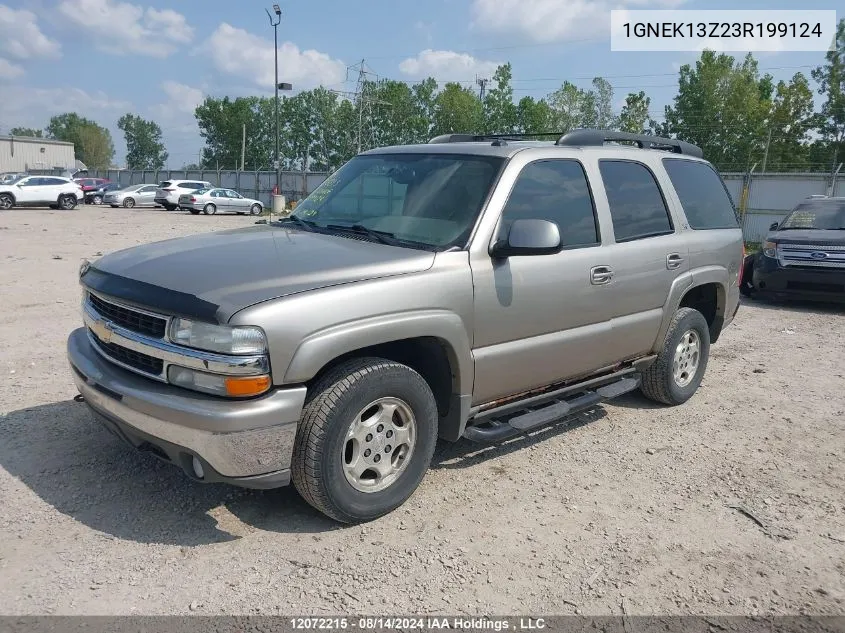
(482, 83)
(243, 148)
(364, 103)
(766, 153)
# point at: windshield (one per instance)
(816, 214)
(428, 199)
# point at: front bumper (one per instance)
(247, 443)
(814, 284)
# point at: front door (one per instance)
(647, 257)
(542, 319)
(31, 190)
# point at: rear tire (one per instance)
(129, 203)
(209, 209)
(255, 209)
(676, 374)
(350, 478)
(67, 202)
(7, 201)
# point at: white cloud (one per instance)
(238, 52)
(32, 107)
(20, 36)
(555, 20)
(181, 98)
(446, 65)
(123, 28)
(8, 70)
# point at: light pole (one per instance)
(274, 22)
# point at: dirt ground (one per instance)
(630, 502)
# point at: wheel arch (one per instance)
(704, 289)
(435, 345)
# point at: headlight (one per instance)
(770, 249)
(218, 338)
(228, 386)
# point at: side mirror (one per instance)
(528, 237)
(774, 226)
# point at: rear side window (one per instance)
(165, 184)
(554, 190)
(53, 181)
(703, 196)
(637, 207)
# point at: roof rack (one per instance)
(581, 138)
(589, 137)
(498, 139)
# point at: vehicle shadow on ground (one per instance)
(793, 305)
(61, 453)
(67, 458)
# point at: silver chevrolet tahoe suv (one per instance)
(474, 287)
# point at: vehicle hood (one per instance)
(211, 276)
(808, 236)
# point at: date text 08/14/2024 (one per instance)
(422, 623)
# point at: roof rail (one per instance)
(473, 138)
(591, 137)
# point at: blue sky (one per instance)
(102, 58)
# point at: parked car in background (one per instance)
(168, 192)
(211, 201)
(96, 196)
(803, 256)
(90, 184)
(132, 196)
(37, 191)
(9, 177)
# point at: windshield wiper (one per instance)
(307, 224)
(381, 236)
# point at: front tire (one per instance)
(97, 200)
(366, 439)
(209, 209)
(129, 203)
(676, 374)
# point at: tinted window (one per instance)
(703, 196)
(816, 214)
(53, 181)
(165, 184)
(554, 190)
(636, 204)
(193, 186)
(30, 182)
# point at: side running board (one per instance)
(554, 408)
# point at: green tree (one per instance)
(790, 122)
(500, 113)
(26, 131)
(92, 143)
(425, 105)
(597, 106)
(457, 110)
(831, 80)
(144, 148)
(634, 116)
(567, 105)
(723, 107)
(533, 117)
(221, 123)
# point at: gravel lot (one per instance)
(630, 502)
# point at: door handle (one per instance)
(600, 275)
(673, 261)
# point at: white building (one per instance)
(26, 153)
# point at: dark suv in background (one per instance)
(803, 256)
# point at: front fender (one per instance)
(320, 348)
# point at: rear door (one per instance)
(146, 194)
(647, 255)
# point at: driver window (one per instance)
(554, 190)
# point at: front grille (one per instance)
(131, 358)
(129, 319)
